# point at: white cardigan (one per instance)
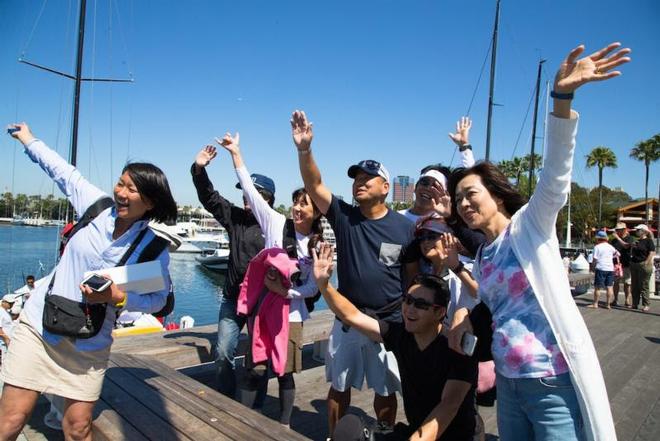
(534, 242)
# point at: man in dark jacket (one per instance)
(245, 241)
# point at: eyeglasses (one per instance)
(430, 235)
(426, 181)
(418, 303)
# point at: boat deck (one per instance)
(627, 341)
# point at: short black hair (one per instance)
(29, 277)
(152, 184)
(438, 285)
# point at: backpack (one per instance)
(289, 245)
(150, 252)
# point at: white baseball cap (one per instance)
(435, 174)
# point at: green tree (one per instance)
(282, 209)
(647, 152)
(601, 157)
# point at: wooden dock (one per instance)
(161, 386)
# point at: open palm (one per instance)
(323, 264)
(301, 130)
(598, 66)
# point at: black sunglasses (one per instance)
(426, 181)
(418, 303)
(430, 235)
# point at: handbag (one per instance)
(81, 320)
(618, 268)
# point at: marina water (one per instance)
(32, 250)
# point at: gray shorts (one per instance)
(351, 357)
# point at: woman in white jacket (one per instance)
(549, 381)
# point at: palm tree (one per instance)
(601, 157)
(506, 167)
(647, 152)
(518, 165)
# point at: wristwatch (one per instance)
(460, 267)
(464, 147)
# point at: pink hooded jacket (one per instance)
(270, 325)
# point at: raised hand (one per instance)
(462, 135)
(323, 264)
(449, 252)
(598, 66)
(441, 200)
(24, 135)
(301, 130)
(205, 156)
(230, 143)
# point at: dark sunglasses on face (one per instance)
(418, 303)
(430, 235)
(426, 182)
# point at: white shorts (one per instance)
(351, 356)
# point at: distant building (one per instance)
(404, 189)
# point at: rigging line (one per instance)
(111, 91)
(92, 94)
(123, 40)
(474, 92)
(34, 28)
(529, 105)
(67, 39)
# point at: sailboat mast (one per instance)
(493, 62)
(536, 114)
(73, 153)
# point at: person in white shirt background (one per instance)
(603, 264)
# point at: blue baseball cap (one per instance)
(370, 167)
(262, 183)
(601, 235)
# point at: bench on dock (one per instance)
(194, 346)
(143, 399)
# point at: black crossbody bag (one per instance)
(80, 320)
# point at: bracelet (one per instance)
(465, 147)
(121, 304)
(561, 96)
(307, 151)
(460, 267)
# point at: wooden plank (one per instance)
(108, 425)
(224, 424)
(268, 428)
(178, 417)
(153, 425)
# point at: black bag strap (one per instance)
(289, 239)
(153, 249)
(92, 211)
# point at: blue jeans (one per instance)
(229, 329)
(538, 409)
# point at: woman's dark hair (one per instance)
(152, 184)
(314, 240)
(494, 180)
(438, 285)
(316, 225)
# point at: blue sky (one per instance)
(380, 79)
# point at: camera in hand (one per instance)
(97, 283)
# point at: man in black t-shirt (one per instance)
(622, 242)
(437, 383)
(371, 240)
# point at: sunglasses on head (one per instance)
(418, 303)
(371, 164)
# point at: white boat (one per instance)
(214, 259)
